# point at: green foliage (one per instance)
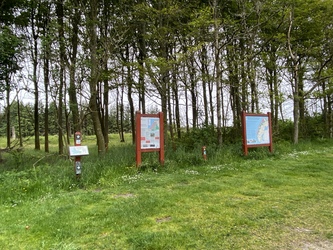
(284, 132)
(223, 203)
(314, 127)
(311, 128)
(9, 57)
(198, 137)
(27, 125)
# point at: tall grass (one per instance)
(262, 201)
(27, 173)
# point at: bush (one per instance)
(197, 137)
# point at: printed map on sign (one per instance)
(257, 130)
(150, 132)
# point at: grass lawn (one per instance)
(284, 201)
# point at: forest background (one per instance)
(87, 66)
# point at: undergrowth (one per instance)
(27, 174)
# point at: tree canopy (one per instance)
(199, 62)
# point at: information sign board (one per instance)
(257, 131)
(149, 135)
(78, 150)
(150, 132)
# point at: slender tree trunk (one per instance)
(176, 99)
(105, 104)
(46, 110)
(34, 76)
(302, 121)
(130, 83)
(141, 59)
(19, 122)
(120, 112)
(94, 76)
(72, 91)
(217, 76)
(211, 102)
(234, 86)
(273, 86)
(132, 111)
(8, 133)
(295, 78)
(330, 117)
(122, 137)
(277, 98)
(46, 69)
(171, 130)
(204, 76)
(106, 110)
(243, 78)
(60, 16)
(186, 107)
(193, 90)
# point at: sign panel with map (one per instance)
(150, 132)
(257, 131)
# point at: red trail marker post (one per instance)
(77, 151)
(204, 153)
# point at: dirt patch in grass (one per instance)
(127, 195)
(163, 219)
(306, 240)
(321, 245)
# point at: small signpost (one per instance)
(257, 131)
(77, 151)
(149, 135)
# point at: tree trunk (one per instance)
(73, 103)
(8, 112)
(46, 69)
(94, 76)
(176, 99)
(141, 58)
(234, 86)
(171, 130)
(193, 90)
(19, 122)
(217, 76)
(105, 103)
(60, 16)
(120, 112)
(204, 76)
(46, 87)
(295, 84)
(34, 77)
(132, 111)
(302, 122)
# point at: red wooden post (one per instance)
(244, 133)
(77, 166)
(138, 138)
(204, 152)
(270, 131)
(161, 138)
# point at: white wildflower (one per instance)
(191, 172)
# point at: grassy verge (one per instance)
(280, 201)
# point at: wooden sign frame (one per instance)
(146, 139)
(254, 142)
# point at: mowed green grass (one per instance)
(283, 201)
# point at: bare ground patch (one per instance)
(307, 239)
